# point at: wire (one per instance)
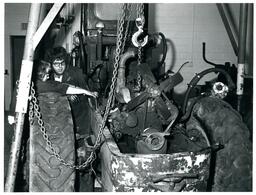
(183, 65)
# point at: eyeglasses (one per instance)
(58, 63)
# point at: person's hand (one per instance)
(11, 119)
(95, 94)
(73, 98)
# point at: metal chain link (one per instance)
(139, 55)
(128, 15)
(140, 14)
(35, 106)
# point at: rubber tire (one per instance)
(233, 163)
(47, 174)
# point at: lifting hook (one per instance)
(135, 37)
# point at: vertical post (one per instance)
(99, 26)
(22, 97)
(232, 36)
(241, 53)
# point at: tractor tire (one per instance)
(232, 165)
(46, 172)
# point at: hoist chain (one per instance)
(128, 15)
(140, 14)
(34, 106)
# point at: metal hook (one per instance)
(135, 36)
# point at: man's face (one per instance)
(59, 66)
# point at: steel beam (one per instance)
(22, 97)
(46, 23)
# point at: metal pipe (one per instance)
(99, 26)
(120, 84)
(22, 97)
(207, 61)
(121, 70)
(249, 70)
(241, 52)
(228, 28)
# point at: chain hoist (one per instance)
(34, 106)
(140, 22)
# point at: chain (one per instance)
(140, 14)
(139, 55)
(128, 9)
(31, 113)
(34, 105)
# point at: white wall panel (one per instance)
(186, 26)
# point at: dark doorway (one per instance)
(17, 47)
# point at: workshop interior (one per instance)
(173, 106)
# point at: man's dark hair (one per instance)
(55, 53)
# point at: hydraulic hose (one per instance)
(164, 49)
(198, 77)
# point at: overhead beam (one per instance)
(46, 23)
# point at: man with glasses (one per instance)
(58, 57)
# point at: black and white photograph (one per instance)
(127, 96)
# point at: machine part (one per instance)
(176, 177)
(132, 120)
(175, 112)
(151, 145)
(154, 139)
(198, 77)
(100, 26)
(79, 43)
(47, 173)
(233, 164)
(161, 62)
(138, 100)
(120, 85)
(154, 91)
(171, 82)
(219, 90)
(176, 182)
(126, 172)
(19, 116)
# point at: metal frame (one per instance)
(33, 37)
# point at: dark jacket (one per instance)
(80, 108)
